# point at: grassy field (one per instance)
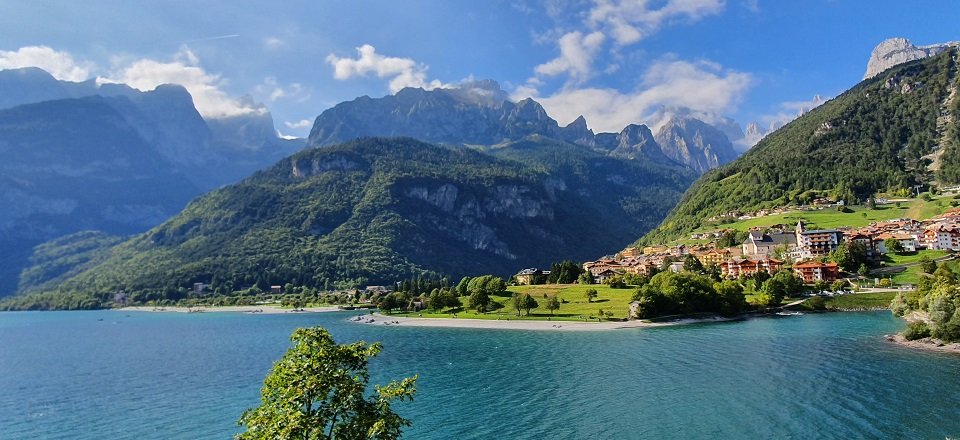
(910, 275)
(829, 218)
(861, 300)
(573, 307)
(897, 260)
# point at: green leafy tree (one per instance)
(528, 303)
(730, 297)
(553, 304)
(893, 245)
(692, 264)
(820, 285)
(564, 272)
(838, 285)
(927, 265)
(480, 301)
(590, 295)
(616, 282)
(585, 278)
(670, 293)
(863, 271)
(463, 286)
(518, 302)
(849, 255)
(318, 391)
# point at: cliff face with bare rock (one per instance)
(894, 51)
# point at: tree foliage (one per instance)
(564, 272)
(670, 293)
(318, 391)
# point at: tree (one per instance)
(564, 272)
(838, 285)
(730, 295)
(692, 264)
(585, 278)
(317, 391)
(616, 282)
(927, 265)
(480, 301)
(893, 245)
(462, 286)
(863, 271)
(391, 301)
(590, 294)
(849, 255)
(553, 304)
(528, 303)
(444, 298)
(820, 285)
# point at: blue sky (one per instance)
(615, 61)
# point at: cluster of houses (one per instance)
(767, 250)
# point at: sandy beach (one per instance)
(265, 309)
(378, 319)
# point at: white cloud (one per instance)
(629, 21)
(206, 88)
(576, 56)
(701, 87)
(271, 90)
(59, 64)
(274, 43)
(403, 72)
(303, 123)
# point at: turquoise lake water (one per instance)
(71, 375)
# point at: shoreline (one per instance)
(379, 319)
(264, 309)
(925, 344)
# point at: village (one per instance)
(770, 249)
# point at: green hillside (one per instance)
(376, 210)
(879, 136)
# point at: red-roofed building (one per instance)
(743, 267)
(813, 271)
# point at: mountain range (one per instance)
(488, 186)
(83, 156)
(479, 114)
(375, 210)
(620, 183)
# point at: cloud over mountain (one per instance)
(402, 72)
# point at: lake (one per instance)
(115, 374)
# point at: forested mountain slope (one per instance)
(377, 210)
(887, 133)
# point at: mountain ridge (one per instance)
(454, 116)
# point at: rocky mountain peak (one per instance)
(695, 143)
(894, 51)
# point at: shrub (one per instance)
(916, 330)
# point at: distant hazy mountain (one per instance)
(210, 152)
(479, 114)
(894, 51)
(695, 143)
(86, 156)
(77, 164)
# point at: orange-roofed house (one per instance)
(813, 271)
